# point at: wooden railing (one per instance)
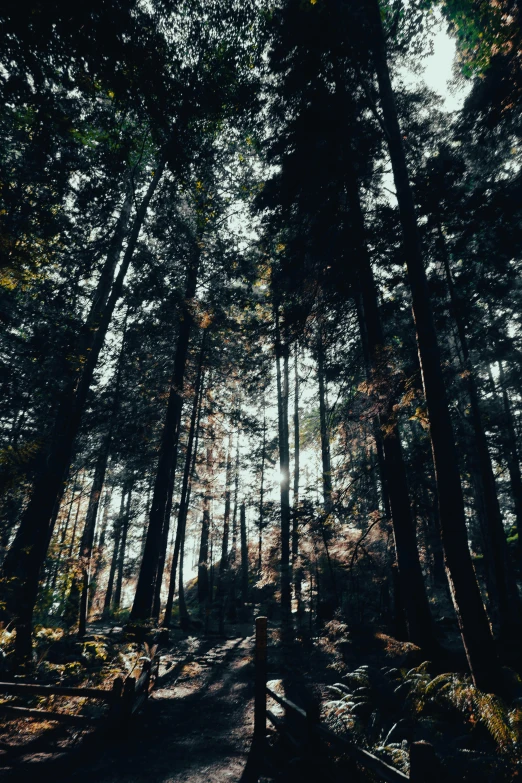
(125, 698)
(423, 762)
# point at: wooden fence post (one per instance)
(260, 686)
(147, 668)
(127, 702)
(114, 716)
(423, 763)
(313, 714)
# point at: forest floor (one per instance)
(196, 727)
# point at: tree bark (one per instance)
(395, 484)
(23, 563)
(143, 601)
(323, 418)
(87, 541)
(203, 582)
(295, 505)
(118, 529)
(506, 591)
(244, 553)
(281, 351)
(473, 620)
(262, 495)
(190, 462)
(121, 554)
(512, 460)
(223, 564)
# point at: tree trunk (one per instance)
(63, 535)
(262, 495)
(232, 613)
(323, 418)
(281, 351)
(244, 554)
(203, 585)
(190, 462)
(473, 620)
(118, 528)
(395, 484)
(158, 521)
(223, 565)
(184, 619)
(121, 554)
(512, 460)
(23, 563)
(506, 591)
(87, 541)
(99, 559)
(296, 573)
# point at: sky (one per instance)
(438, 73)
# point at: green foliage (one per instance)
(483, 29)
(378, 706)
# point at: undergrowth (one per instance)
(476, 735)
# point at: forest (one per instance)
(261, 356)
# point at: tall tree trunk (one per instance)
(94, 499)
(395, 484)
(473, 620)
(190, 463)
(204, 592)
(184, 619)
(23, 563)
(232, 613)
(281, 351)
(203, 584)
(63, 535)
(118, 529)
(323, 419)
(223, 564)
(123, 546)
(88, 531)
(295, 507)
(99, 559)
(158, 521)
(75, 525)
(261, 522)
(506, 591)
(244, 553)
(512, 460)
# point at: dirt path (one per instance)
(196, 728)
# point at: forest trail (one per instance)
(197, 726)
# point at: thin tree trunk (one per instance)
(148, 577)
(88, 531)
(99, 559)
(190, 461)
(323, 418)
(473, 620)
(223, 565)
(281, 351)
(232, 613)
(512, 460)
(184, 619)
(118, 528)
(63, 535)
(203, 585)
(121, 553)
(295, 508)
(244, 554)
(262, 495)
